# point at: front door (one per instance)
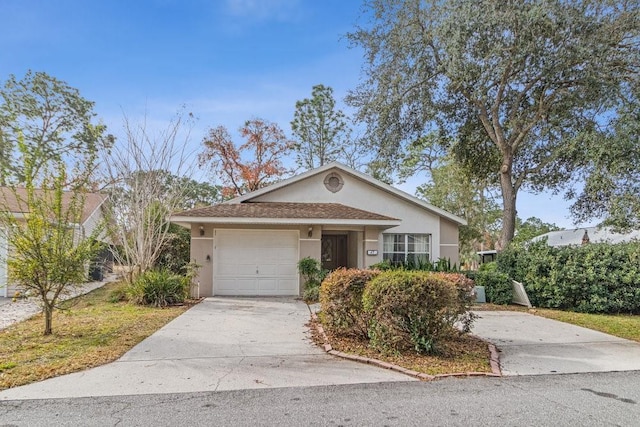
(334, 251)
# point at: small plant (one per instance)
(417, 264)
(159, 288)
(313, 274)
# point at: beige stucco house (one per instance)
(12, 201)
(251, 245)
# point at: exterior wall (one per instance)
(372, 242)
(360, 194)
(449, 248)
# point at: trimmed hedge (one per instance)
(415, 309)
(593, 278)
(341, 302)
(497, 286)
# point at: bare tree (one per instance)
(140, 172)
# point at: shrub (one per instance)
(442, 265)
(159, 288)
(341, 301)
(313, 274)
(498, 286)
(594, 278)
(416, 310)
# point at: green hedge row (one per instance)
(498, 286)
(594, 278)
(396, 310)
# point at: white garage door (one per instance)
(255, 262)
(3, 264)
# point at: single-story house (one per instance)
(13, 201)
(579, 236)
(251, 245)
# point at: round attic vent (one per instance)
(333, 182)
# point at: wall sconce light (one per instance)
(208, 258)
(310, 232)
(202, 230)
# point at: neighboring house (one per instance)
(13, 202)
(577, 236)
(251, 245)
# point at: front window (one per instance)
(406, 248)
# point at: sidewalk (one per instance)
(22, 309)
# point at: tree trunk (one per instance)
(509, 193)
(48, 315)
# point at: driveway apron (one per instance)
(533, 345)
(219, 344)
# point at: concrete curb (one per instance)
(494, 360)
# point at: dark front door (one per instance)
(334, 251)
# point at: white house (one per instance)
(251, 245)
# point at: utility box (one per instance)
(480, 295)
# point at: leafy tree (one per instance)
(49, 253)
(532, 227)
(612, 174)
(455, 191)
(511, 81)
(252, 165)
(54, 122)
(321, 131)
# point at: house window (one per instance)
(406, 248)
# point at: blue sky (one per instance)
(225, 60)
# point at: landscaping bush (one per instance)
(416, 310)
(442, 265)
(313, 274)
(497, 286)
(341, 302)
(159, 288)
(593, 278)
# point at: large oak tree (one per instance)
(512, 81)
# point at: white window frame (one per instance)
(390, 252)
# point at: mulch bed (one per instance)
(463, 355)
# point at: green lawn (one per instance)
(620, 325)
(94, 331)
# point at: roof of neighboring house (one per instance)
(14, 200)
(595, 234)
(282, 210)
(370, 180)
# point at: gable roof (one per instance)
(283, 212)
(13, 200)
(356, 174)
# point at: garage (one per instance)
(255, 262)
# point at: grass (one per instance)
(619, 325)
(92, 332)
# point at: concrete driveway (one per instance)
(533, 345)
(220, 344)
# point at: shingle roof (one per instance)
(13, 200)
(283, 210)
